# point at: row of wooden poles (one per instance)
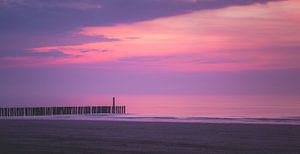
(43, 111)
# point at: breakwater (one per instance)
(70, 110)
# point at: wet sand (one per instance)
(55, 136)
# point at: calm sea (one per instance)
(213, 106)
(244, 109)
(240, 109)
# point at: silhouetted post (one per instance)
(114, 105)
(24, 114)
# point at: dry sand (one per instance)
(54, 136)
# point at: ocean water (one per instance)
(208, 109)
(213, 106)
(215, 109)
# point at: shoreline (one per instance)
(168, 119)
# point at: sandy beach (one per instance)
(71, 136)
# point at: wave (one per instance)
(142, 118)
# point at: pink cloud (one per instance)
(234, 33)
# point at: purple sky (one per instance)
(52, 50)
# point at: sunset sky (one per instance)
(73, 50)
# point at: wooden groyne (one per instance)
(73, 110)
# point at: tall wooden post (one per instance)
(114, 105)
